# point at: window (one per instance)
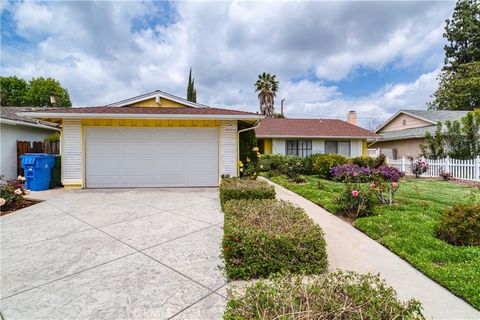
(404, 122)
(301, 148)
(339, 147)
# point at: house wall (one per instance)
(9, 135)
(73, 143)
(410, 122)
(165, 103)
(357, 146)
(405, 147)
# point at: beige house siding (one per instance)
(410, 122)
(405, 147)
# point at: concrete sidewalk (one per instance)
(350, 249)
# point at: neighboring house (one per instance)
(304, 137)
(17, 127)
(402, 134)
(153, 140)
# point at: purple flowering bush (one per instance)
(354, 173)
(387, 173)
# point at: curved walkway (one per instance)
(350, 249)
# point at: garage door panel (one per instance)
(151, 157)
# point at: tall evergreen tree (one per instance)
(460, 77)
(191, 91)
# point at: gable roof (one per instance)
(430, 116)
(13, 115)
(144, 113)
(153, 95)
(310, 128)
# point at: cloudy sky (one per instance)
(330, 57)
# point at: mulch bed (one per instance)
(17, 206)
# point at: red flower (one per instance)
(227, 248)
(355, 193)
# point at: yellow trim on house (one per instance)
(267, 147)
(164, 103)
(364, 149)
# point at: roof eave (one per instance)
(404, 112)
(51, 115)
(28, 124)
(314, 137)
(152, 95)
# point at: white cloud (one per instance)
(93, 49)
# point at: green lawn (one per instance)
(407, 228)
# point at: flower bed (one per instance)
(263, 237)
(338, 295)
(237, 188)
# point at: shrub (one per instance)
(323, 163)
(379, 161)
(236, 188)
(460, 225)
(384, 191)
(11, 191)
(250, 166)
(418, 167)
(364, 161)
(356, 201)
(337, 295)
(387, 173)
(263, 237)
(351, 173)
(445, 175)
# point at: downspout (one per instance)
(255, 126)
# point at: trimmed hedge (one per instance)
(264, 237)
(237, 188)
(323, 163)
(338, 295)
(460, 225)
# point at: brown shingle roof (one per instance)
(285, 127)
(148, 110)
(11, 113)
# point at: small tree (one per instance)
(434, 145)
(40, 90)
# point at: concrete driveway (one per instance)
(114, 254)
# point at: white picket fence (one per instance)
(459, 169)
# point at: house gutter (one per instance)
(28, 124)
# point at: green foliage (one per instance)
(462, 32)
(54, 137)
(264, 237)
(434, 145)
(236, 188)
(460, 225)
(13, 91)
(459, 87)
(247, 141)
(323, 163)
(460, 138)
(267, 87)
(356, 201)
(365, 162)
(41, 89)
(408, 228)
(337, 295)
(191, 91)
(291, 166)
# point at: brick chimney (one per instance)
(352, 117)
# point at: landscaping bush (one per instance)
(11, 192)
(289, 165)
(351, 173)
(356, 201)
(384, 191)
(264, 237)
(237, 188)
(418, 167)
(337, 295)
(323, 163)
(364, 161)
(460, 225)
(387, 173)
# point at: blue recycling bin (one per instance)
(38, 170)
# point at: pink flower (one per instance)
(394, 185)
(373, 185)
(355, 193)
(355, 174)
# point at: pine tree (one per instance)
(191, 91)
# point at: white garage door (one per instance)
(151, 157)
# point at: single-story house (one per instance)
(152, 140)
(401, 135)
(304, 137)
(17, 127)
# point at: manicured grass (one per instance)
(407, 228)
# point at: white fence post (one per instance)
(403, 164)
(477, 169)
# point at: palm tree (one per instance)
(267, 87)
